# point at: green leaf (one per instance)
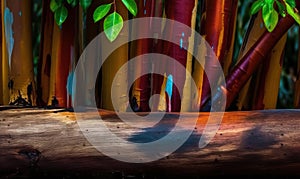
(74, 3)
(54, 5)
(292, 3)
(70, 1)
(131, 6)
(60, 15)
(256, 6)
(101, 11)
(113, 25)
(270, 17)
(281, 8)
(85, 4)
(269, 2)
(291, 12)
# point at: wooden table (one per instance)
(49, 143)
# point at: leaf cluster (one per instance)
(113, 22)
(271, 10)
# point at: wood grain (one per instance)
(49, 143)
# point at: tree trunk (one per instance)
(45, 58)
(265, 91)
(85, 33)
(254, 31)
(181, 12)
(186, 105)
(1, 52)
(49, 143)
(141, 89)
(158, 81)
(218, 28)
(92, 31)
(21, 80)
(297, 84)
(261, 91)
(63, 57)
(250, 62)
(111, 66)
(5, 55)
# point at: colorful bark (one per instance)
(250, 62)
(158, 81)
(44, 64)
(297, 84)
(63, 46)
(67, 57)
(21, 81)
(92, 30)
(254, 31)
(217, 26)
(109, 69)
(267, 79)
(261, 90)
(198, 74)
(187, 90)
(180, 11)
(141, 89)
(1, 52)
(4, 58)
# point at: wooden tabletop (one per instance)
(49, 143)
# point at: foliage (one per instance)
(113, 23)
(60, 15)
(290, 61)
(292, 45)
(101, 12)
(131, 6)
(270, 14)
(85, 4)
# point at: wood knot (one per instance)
(33, 155)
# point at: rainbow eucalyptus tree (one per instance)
(44, 63)
(297, 85)
(18, 86)
(141, 89)
(277, 27)
(218, 28)
(180, 11)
